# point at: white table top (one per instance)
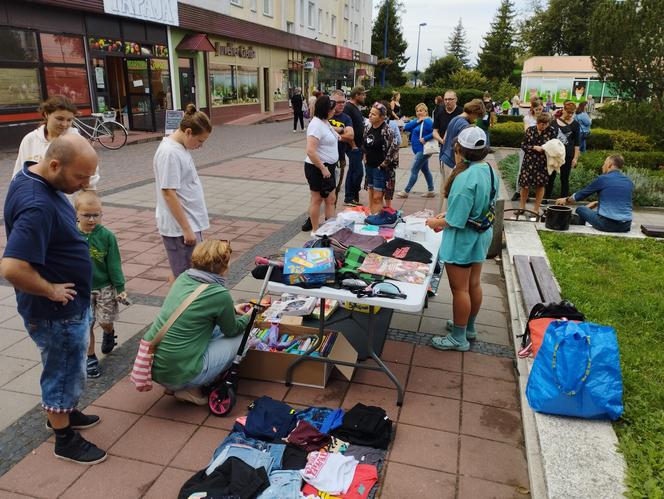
(416, 292)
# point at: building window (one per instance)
(356, 33)
(268, 8)
(301, 12)
(252, 5)
(346, 11)
(320, 20)
(327, 23)
(237, 3)
(19, 87)
(333, 26)
(233, 84)
(357, 5)
(61, 49)
(290, 27)
(310, 17)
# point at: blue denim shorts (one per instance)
(376, 178)
(63, 345)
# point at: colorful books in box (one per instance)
(309, 266)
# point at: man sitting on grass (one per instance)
(614, 207)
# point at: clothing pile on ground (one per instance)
(276, 452)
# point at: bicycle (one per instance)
(108, 132)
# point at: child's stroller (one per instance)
(222, 392)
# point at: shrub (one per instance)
(648, 185)
(411, 97)
(638, 117)
(510, 134)
(505, 118)
(633, 159)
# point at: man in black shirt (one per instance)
(355, 166)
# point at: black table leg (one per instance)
(380, 363)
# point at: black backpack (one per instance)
(553, 310)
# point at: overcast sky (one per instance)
(441, 17)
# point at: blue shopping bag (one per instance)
(577, 372)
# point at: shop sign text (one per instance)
(156, 11)
(230, 50)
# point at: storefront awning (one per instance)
(198, 42)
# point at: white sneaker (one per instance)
(429, 194)
(402, 194)
(294, 131)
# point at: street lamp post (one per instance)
(417, 56)
(430, 56)
(387, 16)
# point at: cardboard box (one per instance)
(272, 366)
(309, 265)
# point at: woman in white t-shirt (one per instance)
(321, 160)
(181, 212)
(58, 113)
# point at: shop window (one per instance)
(61, 49)
(19, 87)
(160, 84)
(280, 85)
(100, 44)
(68, 81)
(233, 84)
(333, 26)
(247, 85)
(18, 45)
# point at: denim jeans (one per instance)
(376, 178)
(421, 162)
(217, 358)
(283, 484)
(276, 451)
(354, 175)
(63, 345)
(253, 457)
(602, 223)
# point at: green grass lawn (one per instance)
(620, 282)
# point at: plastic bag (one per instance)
(577, 372)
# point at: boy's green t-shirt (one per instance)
(179, 356)
(105, 256)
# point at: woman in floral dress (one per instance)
(533, 169)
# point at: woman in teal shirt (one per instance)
(470, 191)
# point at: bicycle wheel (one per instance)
(111, 134)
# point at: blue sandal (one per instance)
(449, 343)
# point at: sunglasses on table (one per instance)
(381, 290)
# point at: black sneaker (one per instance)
(545, 201)
(306, 226)
(516, 196)
(79, 421)
(92, 367)
(108, 342)
(79, 450)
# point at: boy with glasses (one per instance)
(108, 282)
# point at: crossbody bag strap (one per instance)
(421, 128)
(174, 316)
(492, 195)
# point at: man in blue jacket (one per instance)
(614, 207)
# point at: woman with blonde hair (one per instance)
(421, 130)
(395, 104)
(203, 341)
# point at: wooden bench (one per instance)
(536, 281)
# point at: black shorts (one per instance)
(461, 265)
(316, 181)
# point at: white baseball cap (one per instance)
(472, 137)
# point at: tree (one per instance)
(469, 78)
(396, 61)
(441, 69)
(497, 55)
(457, 45)
(635, 64)
(562, 28)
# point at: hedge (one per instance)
(648, 185)
(411, 97)
(505, 118)
(511, 134)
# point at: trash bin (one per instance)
(558, 217)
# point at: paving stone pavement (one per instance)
(458, 409)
